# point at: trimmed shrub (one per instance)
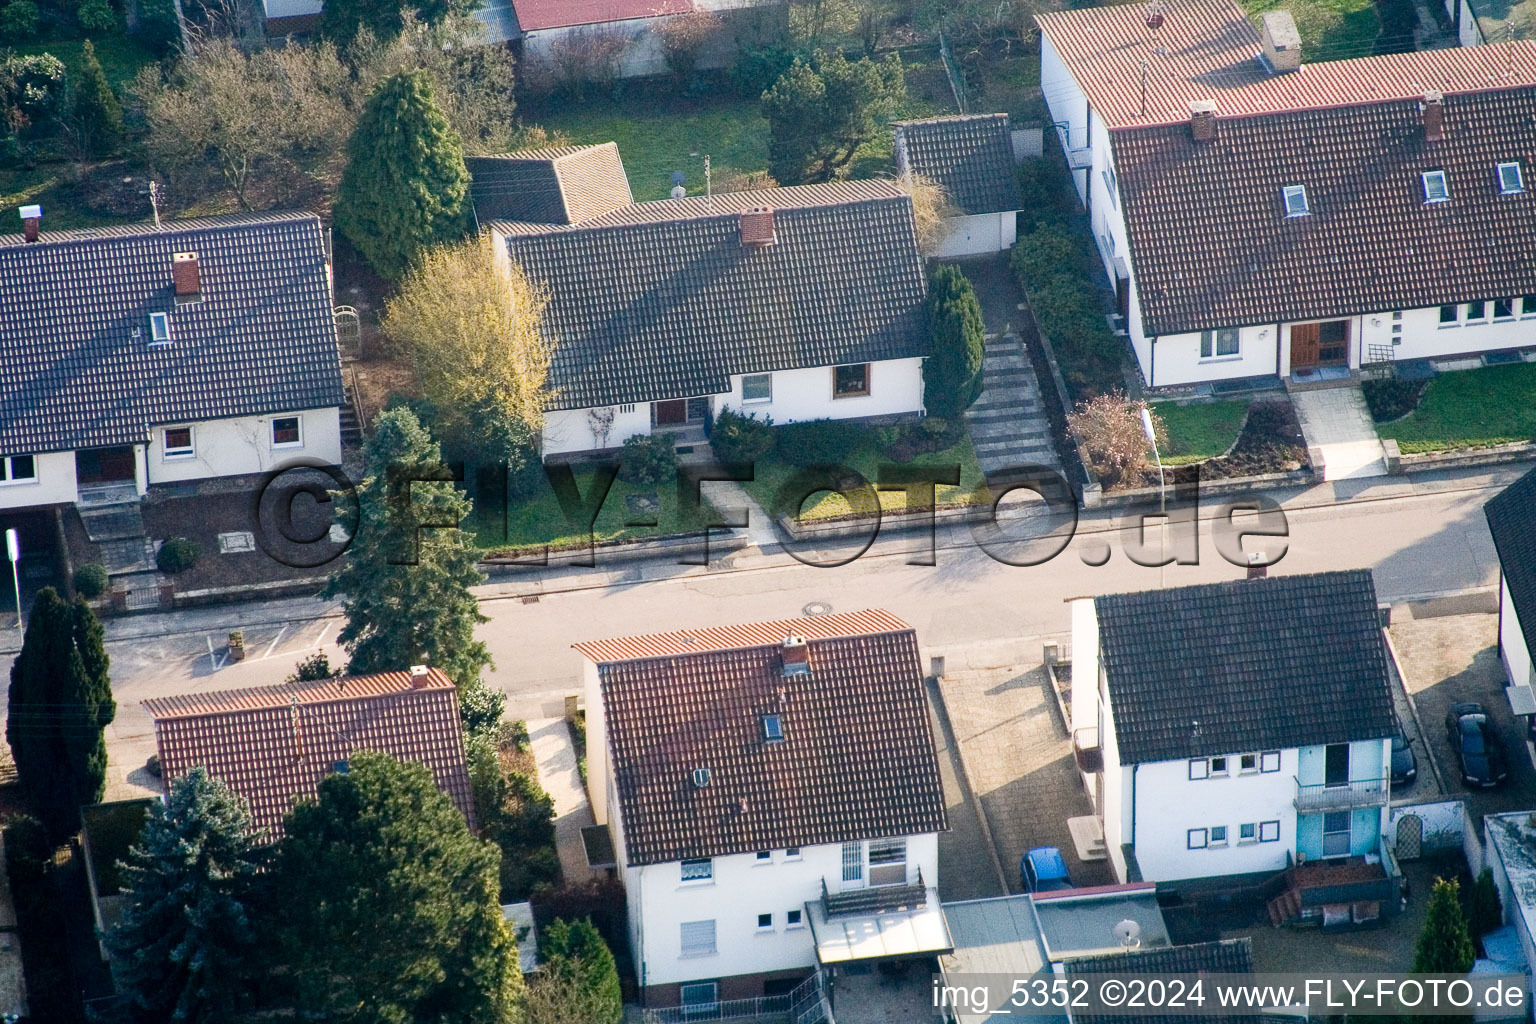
(19, 20)
(738, 438)
(818, 442)
(648, 459)
(91, 580)
(1392, 398)
(758, 67)
(952, 374)
(177, 555)
(1048, 251)
(96, 16)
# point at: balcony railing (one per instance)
(1321, 796)
(806, 1004)
(1085, 747)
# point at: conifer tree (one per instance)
(1444, 945)
(578, 981)
(952, 373)
(95, 115)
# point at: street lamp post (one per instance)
(1162, 492)
(13, 552)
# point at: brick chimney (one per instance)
(757, 226)
(31, 221)
(185, 276)
(1202, 120)
(1258, 565)
(420, 676)
(1434, 116)
(797, 656)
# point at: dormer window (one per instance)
(159, 329)
(1296, 201)
(1510, 179)
(1436, 188)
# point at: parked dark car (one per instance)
(1044, 870)
(1478, 748)
(1405, 767)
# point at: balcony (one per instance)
(1085, 747)
(1341, 797)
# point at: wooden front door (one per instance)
(104, 465)
(1306, 342)
(669, 414)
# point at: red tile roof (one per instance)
(273, 744)
(1210, 52)
(857, 758)
(536, 14)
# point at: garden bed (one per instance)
(1469, 409)
(1271, 442)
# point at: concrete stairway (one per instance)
(1007, 424)
(118, 531)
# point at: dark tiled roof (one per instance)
(1512, 521)
(857, 760)
(1282, 662)
(661, 300)
(1227, 956)
(261, 340)
(1211, 245)
(273, 744)
(971, 156)
(533, 15)
(559, 185)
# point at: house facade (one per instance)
(1236, 253)
(797, 303)
(971, 158)
(1236, 728)
(759, 837)
(204, 349)
(1512, 522)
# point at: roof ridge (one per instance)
(892, 624)
(271, 694)
(148, 229)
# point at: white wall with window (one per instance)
(1453, 329)
(1218, 354)
(894, 387)
(46, 478)
(1513, 650)
(241, 445)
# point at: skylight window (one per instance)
(1436, 188)
(773, 729)
(159, 329)
(1296, 201)
(1510, 179)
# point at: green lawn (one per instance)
(867, 459)
(1469, 409)
(49, 185)
(1199, 432)
(121, 57)
(540, 521)
(1330, 29)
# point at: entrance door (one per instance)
(104, 465)
(1306, 344)
(1333, 343)
(669, 414)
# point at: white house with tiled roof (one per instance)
(774, 801)
(1237, 252)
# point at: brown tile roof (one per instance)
(536, 14)
(273, 744)
(1211, 245)
(857, 760)
(1211, 53)
(558, 185)
(970, 155)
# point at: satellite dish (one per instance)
(1128, 933)
(678, 192)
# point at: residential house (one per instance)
(274, 744)
(795, 303)
(1221, 957)
(1512, 522)
(971, 158)
(1235, 729)
(1397, 231)
(138, 356)
(774, 800)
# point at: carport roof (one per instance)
(1512, 521)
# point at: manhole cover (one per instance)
(238, 541)
(817, 608)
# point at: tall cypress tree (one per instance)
(952, 374)
(406, 186)
(185, 937)
(94, 112)
(1444, 946)
(60, 701)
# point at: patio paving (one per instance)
(1338, 422)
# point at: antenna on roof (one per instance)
(154, 202)
(1509, 48)
(709, 185)
(1143, 88)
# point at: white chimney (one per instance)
(797, 656)
(1281, 41)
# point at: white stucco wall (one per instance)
(978, 234)
(243, 445)
(291, 8)
(1176, 359)
(570, 430)
(55, 484)
(740, 890)
(1422, 336)
(1469, 34)
(895, 387)
(1068, 106)
(1512, 647)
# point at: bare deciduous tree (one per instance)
(1109, 429)
(684, 37)
(579, 61)
(931, 206)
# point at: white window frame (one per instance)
(1505, 188)
(1212, 343)
(1527, 306)
(794, 919)
(1348, 832)
(1455, 320)
(1199, 768)
(1224, 770)
(746, 399)
(853, 865)
(1482, 312)
(699, 931)
(1269, 831)
(887, 849)
(1500, 317)
(1269, 761)
(792, 853)
(1213, 840)
(763, 929)
(776, 733)
(1252, 837)
(272, 431)
(1196, 839)
(1243, 769)
(699, 1006)
(764, 858)
(1440, 190)
(707, 878)
(1290, 192)
(169, 454)
(159, 328)
(8, 477)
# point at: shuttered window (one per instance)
(698, 938)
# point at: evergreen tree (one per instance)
(390, 910)
(400, 615)
(1484, 912)
(952, 373)
(820, 113)
(185, 938)
(1444, 946)
(340, 21)
(60, 701)
(95, 116)
(406, 186)
(578, 946)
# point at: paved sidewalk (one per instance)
(555, 755)
(1337, 421)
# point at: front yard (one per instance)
(1199, 432)
(1470, 409)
